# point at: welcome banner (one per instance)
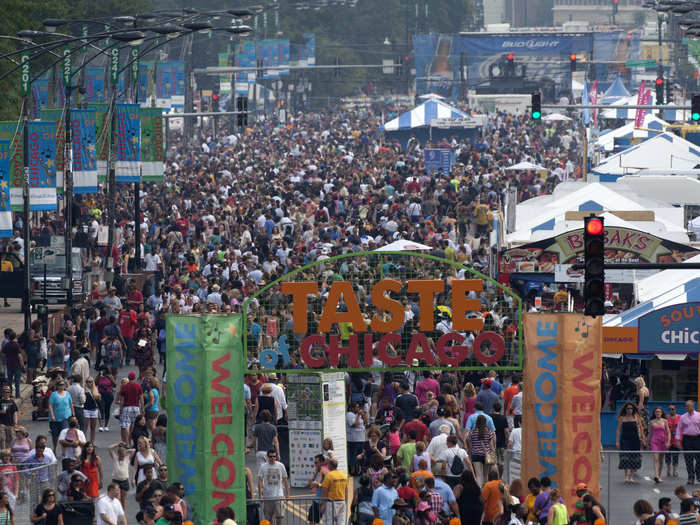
(42, 166)
(561, 401)
(12, 132)
(206, 445)
(84, 143)
(152, 150)
(5, 212)
(57, 116)
(128, 143)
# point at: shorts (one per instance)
(57, 426)
(273, 510)
(152, 414)
(91, 414)
(123, 484)
(129, 415)
(478, 458)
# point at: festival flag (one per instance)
(5, 211)
(128, 143)
(593, 97)
(42, 166)
(12, 131)
(639, 115)
(84, 141)
(102, 133)
(57, 115)
(152, 151)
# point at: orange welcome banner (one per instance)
(561, 401)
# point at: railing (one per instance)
(25, 484)
(618, 496)
(295, 511)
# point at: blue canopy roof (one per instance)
(615, 91)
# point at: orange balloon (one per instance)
(377, 521)
(601, 521)
(265, 522)
(188, 522)
(455, 521)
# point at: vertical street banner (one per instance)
(128, 143)
(12, 131)
(310, 48)
(5, 211)
(95, 85)
(102, 132)
(639, 115)
(206, 447)
(561, 395)
(42, 165)
(57, 116)
(152, 145)
(84, 141)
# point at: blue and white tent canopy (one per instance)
(422, 115)
(651, 126)
(616, 91)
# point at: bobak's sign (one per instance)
(622, 245)
(381, 335)
(673, 329)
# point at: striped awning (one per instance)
(422, 115)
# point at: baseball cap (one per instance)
(132, 375)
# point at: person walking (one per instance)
(334, 491)
(131, 397)
(659, 440)
(109, 507)
(688, 434)
(469, 500)
(383, 499)
(8, 417)
(630, 438)
(77, 394)
(105, 387)
(671, 458)
(14, 360)
(273, 486)
(60, 410)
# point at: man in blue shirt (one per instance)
(383, 499)
(479, 410)
(486, 396)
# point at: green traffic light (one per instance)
(536, 115)
(695, 116)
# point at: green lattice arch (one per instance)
(267, 320)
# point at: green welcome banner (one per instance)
(152, 152)
(56, 115)
(102, 134)
(10, 130)
(206, 444)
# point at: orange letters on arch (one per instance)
(331, 314)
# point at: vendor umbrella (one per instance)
(525, 166)
(402, 245)
(552, 117)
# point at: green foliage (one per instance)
(28, 14)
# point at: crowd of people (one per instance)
(235, 212)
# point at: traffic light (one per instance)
(594, 266)
(510, 65)
(695, 108)
(242, 109)
(215, 101)
(536, 104)
(660, 90)
(615, 2)
(572, 61)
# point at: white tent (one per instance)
(694, 226)
(651, 126)
(554, 117)
(428, 96)
(402, 245)
(525, 166)
(664, 151)
(422, 115)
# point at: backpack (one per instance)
(457, 466)
(112, 350)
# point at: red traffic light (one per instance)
(595, 227)
(573, 57)
(406, 58)
(215, 96)
(510, 56)
(659, 81)
(629, 35)
(616, 1)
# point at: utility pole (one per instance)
(25, 84)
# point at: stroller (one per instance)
(41, 393)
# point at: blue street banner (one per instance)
(310, 48)
(95, 85)
(437, 160)
(42, 166)
(57, 116)
(5, 211)
(283, 53)
(145, 80)
(12, 132)
(128, 141)
(84, 150)
(152, 145)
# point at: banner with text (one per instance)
(12, 131)
(5, 213)
(42, 166)
(206, 447)
(84, 142)
(128, 141)
(58, 116)
(102, 132)
(561, 410)
(152, 145)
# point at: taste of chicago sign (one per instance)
(325, 346)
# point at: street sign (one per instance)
(134, 56)
(437, 160)
(25, 79)
(640, 63)
(114, 64)
(67, 67)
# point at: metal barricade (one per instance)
(295, 511)
(619, 496)
(25, 484)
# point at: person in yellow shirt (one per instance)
(481, 212)
(533, 486)
(335, 489)
(5, 266)
(561, 297)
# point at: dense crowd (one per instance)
(237, 211)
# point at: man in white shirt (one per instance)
(109, 508)
(278, 394)
(438, 444)
(515, 440)
(448, 456)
